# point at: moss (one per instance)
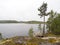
(52, 40)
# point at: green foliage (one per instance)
(31, 32)
(55, 25)
(52, 15)
(43, 9)
(43, 13)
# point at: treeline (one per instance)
(14, 21)
(8, 21)
(32, 22)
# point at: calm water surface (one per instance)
(19, 29)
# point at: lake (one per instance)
(16, 29)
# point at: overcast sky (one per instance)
(24, 10)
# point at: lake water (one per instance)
(19, 29)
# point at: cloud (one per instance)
(25, 9)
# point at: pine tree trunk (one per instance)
(44, 27)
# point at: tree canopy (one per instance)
(43, 9)
(43, 13)
(55, 25)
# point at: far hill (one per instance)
(8, 21)
(32, 22)
(14, 21)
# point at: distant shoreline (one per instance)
(26, 22)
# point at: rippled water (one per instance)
(19, 29)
